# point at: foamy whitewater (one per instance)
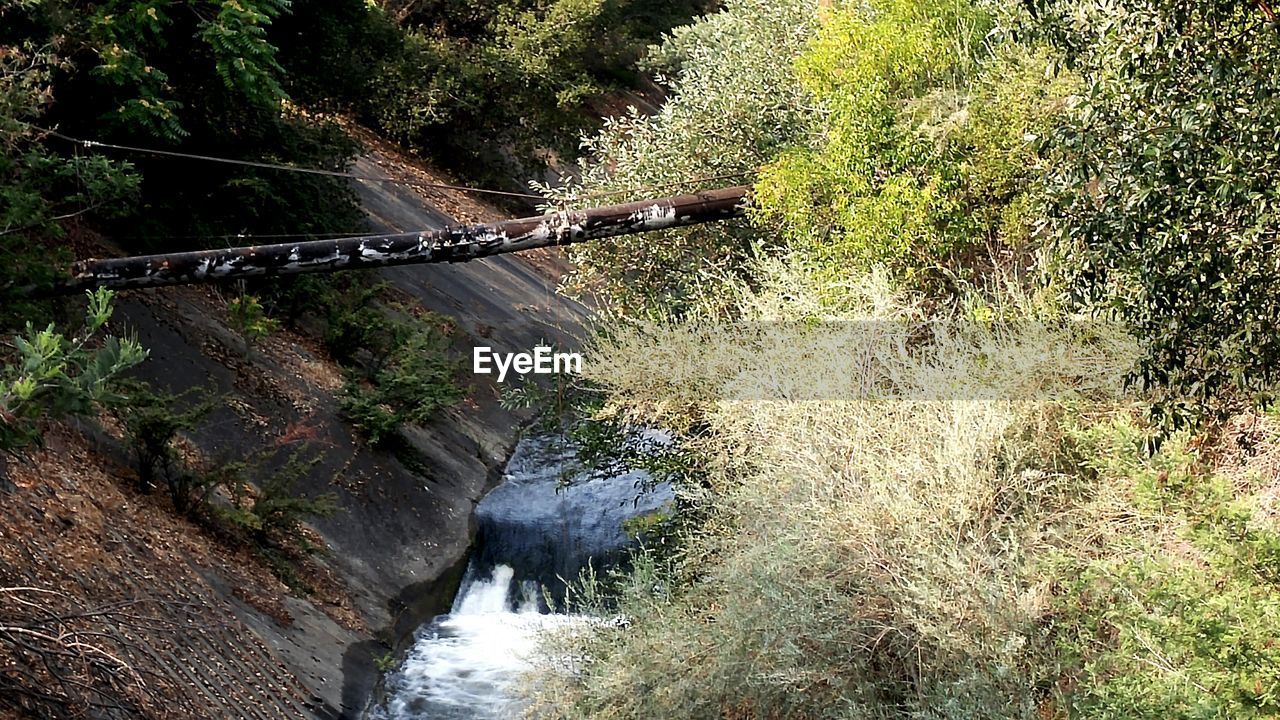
(463, 664)
(532, 529)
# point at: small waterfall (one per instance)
(481, 597)
(534, 532)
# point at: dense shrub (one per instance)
(519, 85)
(483, 86)
(945, 505)
(735, 103)
(918, 159)
(1163, 179)
(879, 506)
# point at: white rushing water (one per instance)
(532, 530)
(463, 664)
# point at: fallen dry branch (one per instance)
(60, 658)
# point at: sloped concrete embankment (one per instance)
(400, 540)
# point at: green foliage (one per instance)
(217, 203)
(735, 103)
(1173, 641)
(474, 78)
(377, 421)
(273, 513)
(250, 319)
(359, 39)
(416, 379)
(38, 187)
(918, 160)
(349, 308)
(475, 84)
(398, 362)
(53, 374)
(134, 41)
(243, 58)
(1162, 187)
(152, 422)
(1181, 629)
(357, 326)
(385, 662)
(609, 447)
(194, 77)
(270, 515)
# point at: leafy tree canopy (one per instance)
(1163, 190)
(735, 103)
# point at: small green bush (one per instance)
(398, 364)
(271, 514)
(53, 374)
(375, 420)
(1176, 614)
(385, 662)
(152, 423)
(250, 319)
(416, 379)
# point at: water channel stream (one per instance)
(533, 531)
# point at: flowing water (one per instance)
(533, 532)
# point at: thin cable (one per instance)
(674, 183)
(247, 236)
(276, 166)
(338, 173)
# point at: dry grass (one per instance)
(884, 487)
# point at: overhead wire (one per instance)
(370, 178)
(275, 166)
(91, 144)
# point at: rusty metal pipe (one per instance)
(451, 244)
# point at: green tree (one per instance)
(40, 189)
(1164, 187)
(735, 103)
(198, 78)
